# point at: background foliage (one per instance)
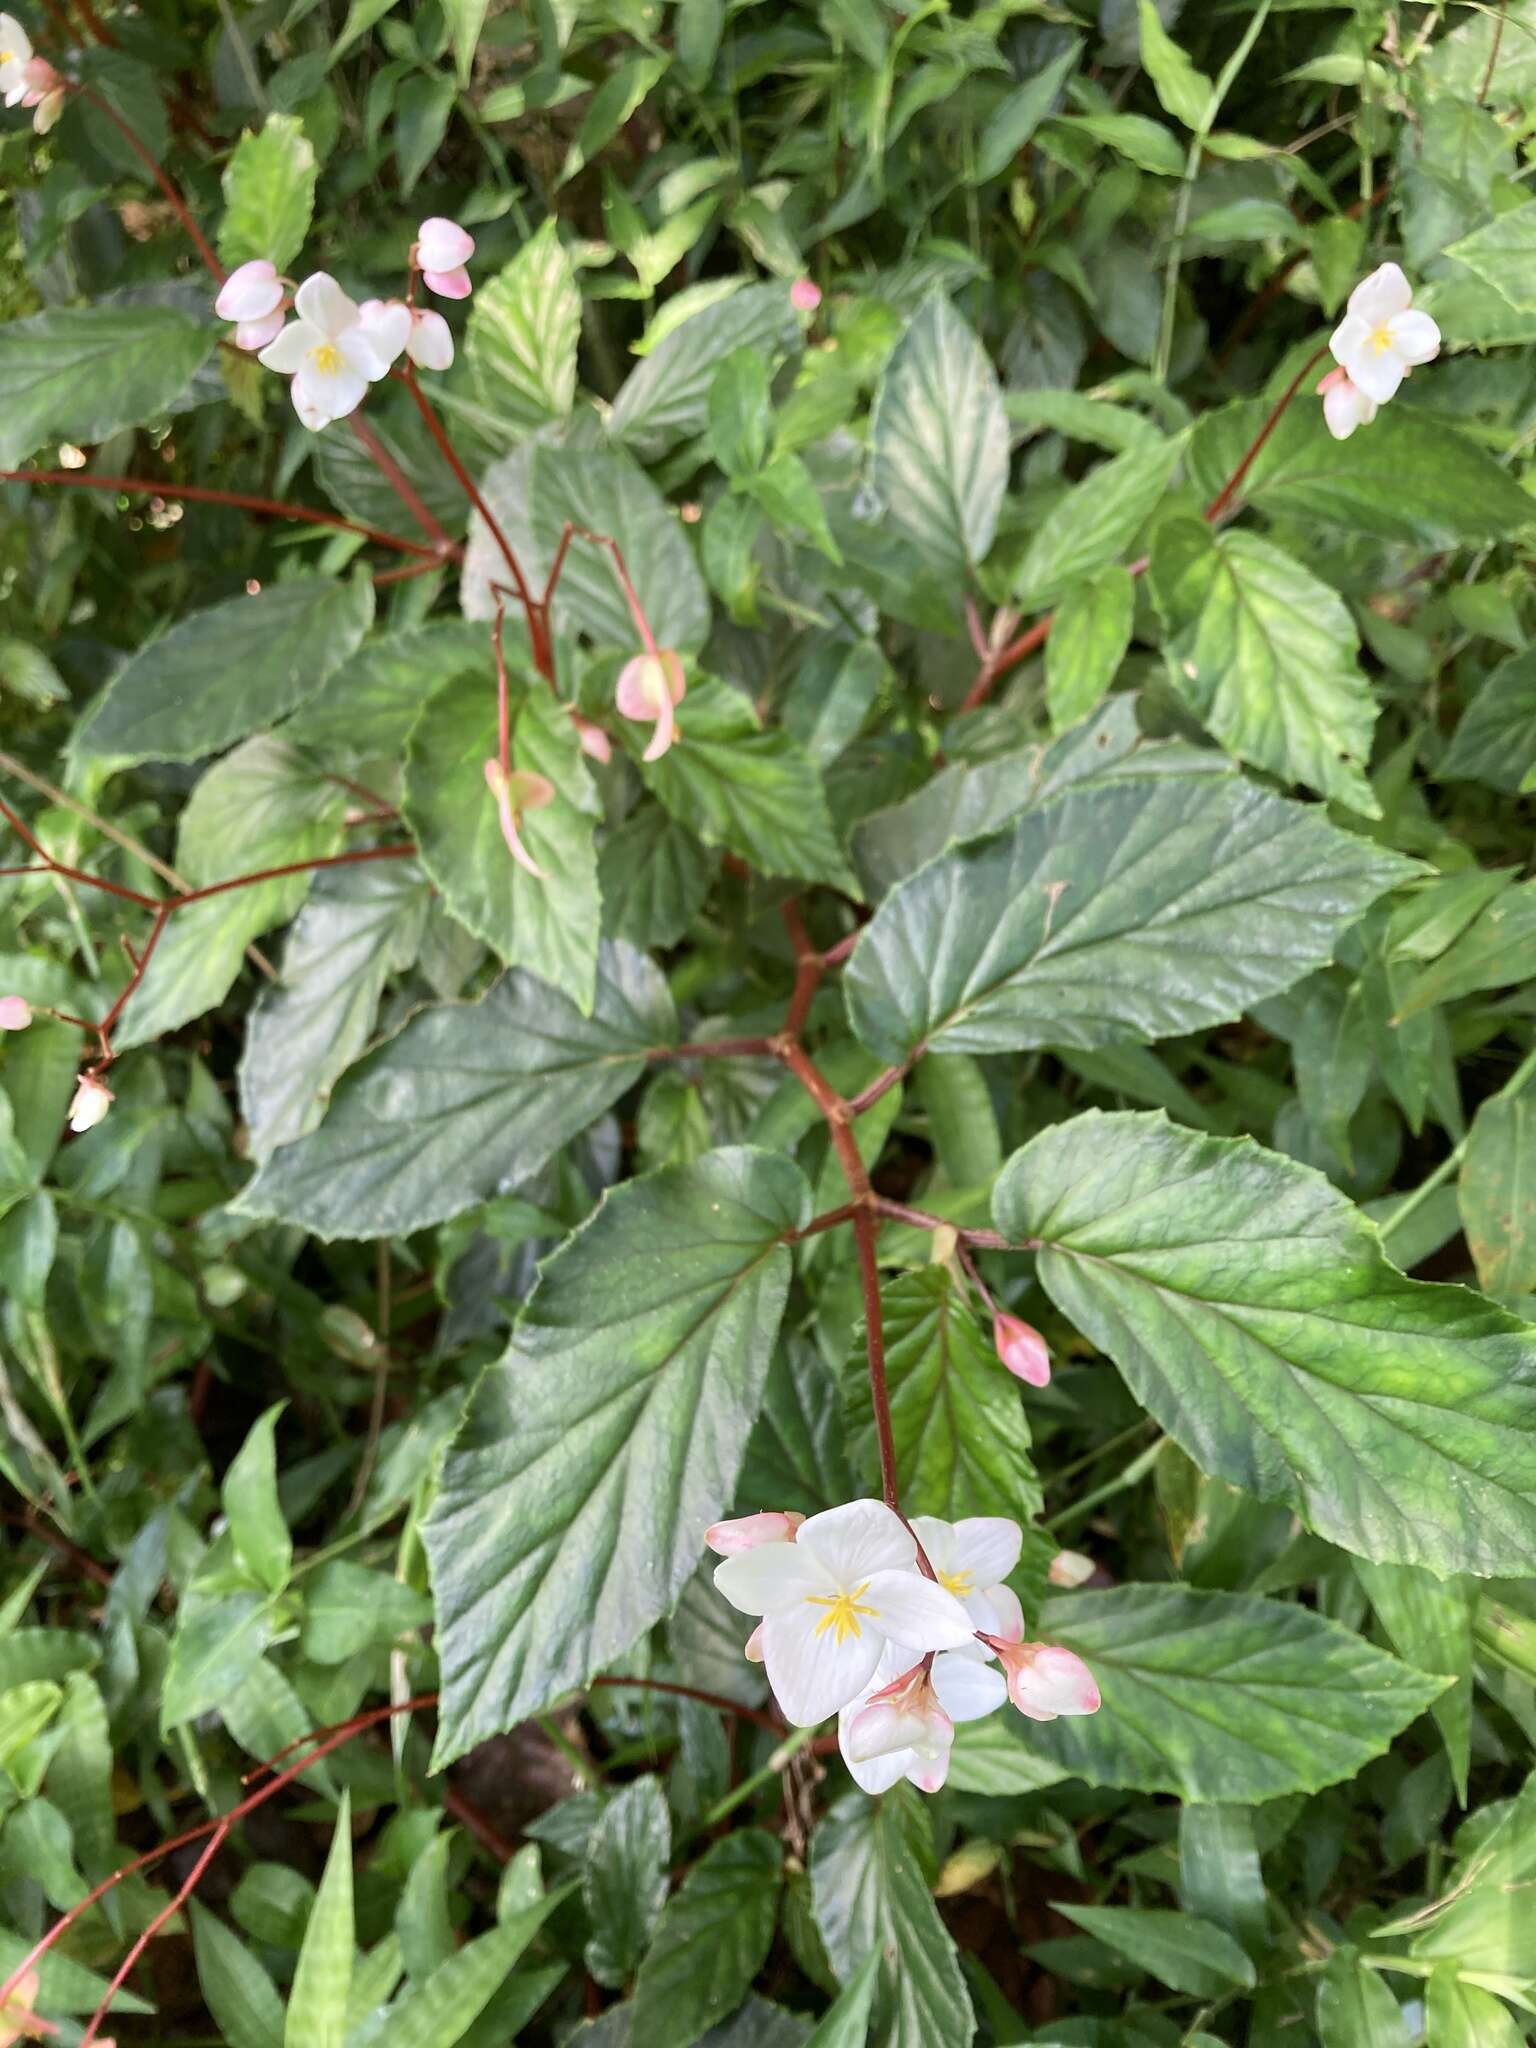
(1199, 933)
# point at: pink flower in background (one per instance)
(805, 295)
(651, 686)
(252, 296)
(15, 1013)
(1021, 1348)
(442, 250)
(594, 742)
(397, 329)
(90, 1103)
(725, 1539)
(515, 793)
(1381, 338)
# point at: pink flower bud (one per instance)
(448, 284)
(515, 793)
(442, 244)
(650, 686)
(255, 334)
(903, 1715)
(1021, 1348)
(1071, 1568)
(593, 740)
(1345, 405)
(15, 1013)
(748, 1531)
(1044, 1680)
(90, 1103)
(45, 92)
(250, 293)
(805, 295)
(430, 346)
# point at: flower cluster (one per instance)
(1376, 344)
(28, 81)
(853, 1625)
(334, 348)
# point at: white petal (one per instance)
(336, 392)
(1382, 295)
(387, 324)
(811, 1672)
(769, 1577)
(249, 293)
(321, 301)
(914, 1611)
(254, 335)
(363, 356)
(881, 1728)
(882, 1772)
(1344, 408)
(1378, 372)
(315, 417)
(987, 1547)
(983, 1613)
(442, 244)
(431, 344)
(1415, 337)
(1347, 339)
(15, 41)
(287, 353)
(967, 1690)
(1010, 1615)
(938, 1540)
(857, 1539)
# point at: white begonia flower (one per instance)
(442, 249)
(252, 296)
(833, 1599)
(396, 329)
(327, 352)
(89, 1104)
(15, 56)
(971, 1559)
(1380, 337)
(1345, 405)
(908, 1732)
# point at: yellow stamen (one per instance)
(1381, 338)
(326, 358)
(842, 1613)
(958, 1583)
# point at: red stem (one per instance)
(167, 1912)
(402, 486)
(864, 1233)
(274, 508)
(709, 1699)
(467, 484)
(1234, 482)
(174, 200)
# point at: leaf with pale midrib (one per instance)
(574, 1501)
(1252, 1310)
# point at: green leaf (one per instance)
(1355, 2009)
(322, 1978)
(845, 2024)
(1254, 1313)
(624, 1879)
(1495, 739)
(1186, 93)
(548, 925)
(755, 792)
(241, 1996)
(1222, 1698)
(469, 1097)
(269, 193)
(228, 671)
(1220, 1875)
(466, 18)
(440, 2011)
(654, 876)
(523, 329)
(994, 1757)
(535, 492)
(1410, 478)
(740, 412)
(249, 1493)
(305, 1032)
(573, 1503)
(713, 1939)
(81, 373)
(622, 90)
(262, 806)
(1147, 144)
(665, 399)
(1017, 116)
(962, 1437)
(787, 492)
(1094, 524)
(1497, 1192)
(939, 439)
(871, 1870)
(218, 1643)
(1497, 948)
(1116, 915)
(1461, 2015)
(795, 1458)
(349, 1606)
(1185, 1952)
(1429, 1623)
(1266, 656)
(1089, 636)
(365, 709)
(1503, 254)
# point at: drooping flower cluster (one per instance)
(852, 1625)
(27, 80)
(334, 348)
(1379, 340)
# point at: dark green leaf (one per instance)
(574, 1501)
(1355, 2009)
(1429, 1623)
(1089, 636)
(653, 875)
(713, 1939)
(624, 1879)
(1096, 521)
(1254, 1313)
(1187, 1953)
(322, 1979)
(82, 373)
(666, 398)
(240, 1994)
(269, 193)
(523, 329)
(1495, 741)
(467, 1099)
(1497, 1192)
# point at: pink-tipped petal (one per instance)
(499, 789)
(448, 284)
(594, 742)
(430, 346)
(15, 1013)
(251, 292)
(441, 244)
(252, 335)
(805, 295)
(666, 728)
(91, 1101)
(1022, 1349)
(1045, 1680)
(725, 1539)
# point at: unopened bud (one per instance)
(15, 1013)
(1021, 1348)
(1070, 1568)
(90, 1103)
(747, 1532)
